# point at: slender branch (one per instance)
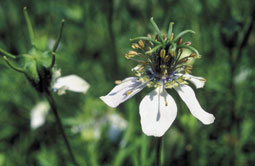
(170, 30)
(157, 30)
(158, 150)
(7, 54)
(53, 59)
(54, 109)
(245, 36)
(59, 36)
(29, 27)
(18, 69)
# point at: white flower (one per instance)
(163, 63)
(158, 109)
(38, 114)
(71, 82)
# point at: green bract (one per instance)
(37, 65)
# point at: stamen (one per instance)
(193, 55)
(141, 44)
(162, 53)
(128, 92)
(167, 58)
(179, 41)
(187, 43)
(131, 54)
(172, 36)
(142, 84)
(202, 79)
(135, 46)
(118, 82)
(166, 103)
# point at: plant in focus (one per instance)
(163, 63)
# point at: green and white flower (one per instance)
(163, 64)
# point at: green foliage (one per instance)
(94, 42)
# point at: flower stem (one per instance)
(54, 109)
(158, 150)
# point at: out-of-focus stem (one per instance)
(7, 53)
(29, 27)
(54, 109)
(59, 36)
(158, 150)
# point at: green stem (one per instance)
(157, 30)
(59, 36)
(18, 69)
(29, 27)
(7, 54)
(158, 150)
(54, 109)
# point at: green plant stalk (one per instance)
(158, 150)
(54, 109)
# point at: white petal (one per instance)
(38, 114)
(156, 115)
(72, 83)
(188, 96)
(119, 93)
(199, 82)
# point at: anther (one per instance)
(172, 36)
(202, 79)
(141, 44)
(167, 58)
(193, 55)
(135, 46)
(162, 53)
(128, 92)
(187, 43)
(118, 82)
(131, 54)
(179, 41)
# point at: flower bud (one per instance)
(36, 65)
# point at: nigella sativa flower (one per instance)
(163, 64)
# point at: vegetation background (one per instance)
(95, 40)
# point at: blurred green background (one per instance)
(95, 40)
